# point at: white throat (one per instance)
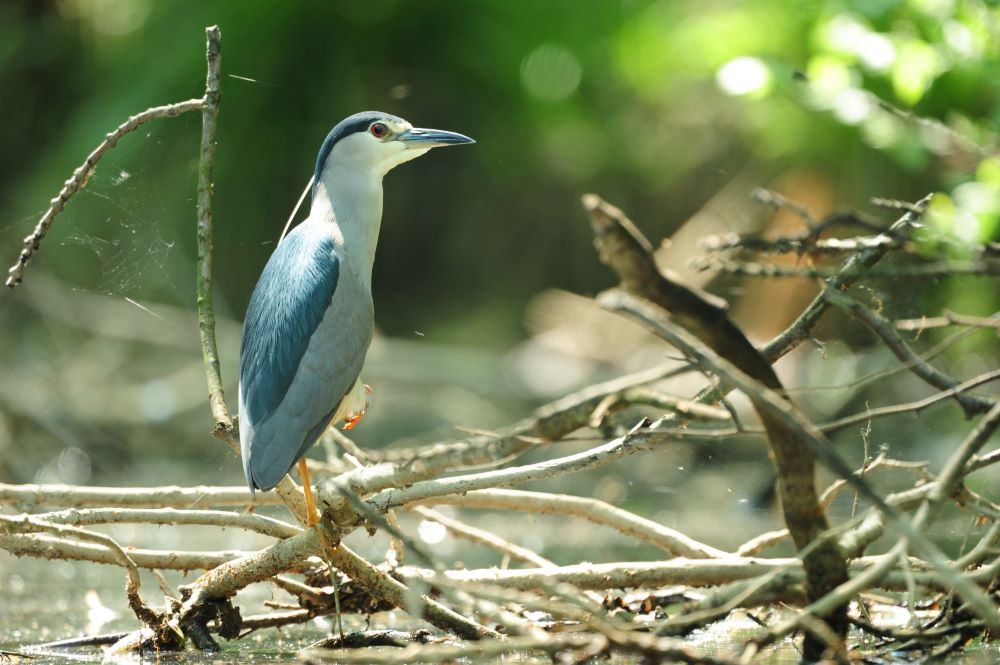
(351, 202)
(348, 196)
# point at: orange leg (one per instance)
(312, 515)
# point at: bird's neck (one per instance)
(351, 201)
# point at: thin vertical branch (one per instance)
(206, 309)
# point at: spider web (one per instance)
(128, 220)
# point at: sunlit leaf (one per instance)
(917, 67)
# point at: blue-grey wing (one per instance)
(299, 355)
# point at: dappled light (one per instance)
(737, 405)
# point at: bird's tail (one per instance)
(246, 436)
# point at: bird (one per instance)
(310, 318)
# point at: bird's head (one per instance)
(374, 142)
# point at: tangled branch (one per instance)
(530, 602)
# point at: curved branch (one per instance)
(78, 180)
(25, 524)
(593, 510)
(484, 537)
(971, 404)
(50, 547)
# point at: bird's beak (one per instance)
(417, 138)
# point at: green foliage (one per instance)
(657, 105)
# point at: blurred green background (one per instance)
(673, 110)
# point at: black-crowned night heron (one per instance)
(311, 317)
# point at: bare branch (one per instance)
(949, 318)
(385, 587)
(982, 268)
(848, 272)
(24, 524)
(910, 407)
(778, 202)
(645, 574)
(169, 516)
(206, 164)
(798, 245)
(82, 174)
(954, 468)
(685, 408)
(484, 537)
(49, 547)
(593, 510)
(173, 496)
(971, 404)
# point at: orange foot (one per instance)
(352, 420)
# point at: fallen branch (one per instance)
(169, 516)
(646, 574)
(173, 496)
(592, 510)
(29, 524)
(623, 248)
(484, 537)
(50, 547)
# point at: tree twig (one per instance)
(847, 273)
(980, 268)
(171, 496)
(641, 574)
(629, 444)
(593, 510)
(911, 407)
(971, 404)
(803, 244)
(219, 518)
(206, 165)
(82, 174)
(484, 537)
(49, 547)
(948, 318)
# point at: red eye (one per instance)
(378, 130)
